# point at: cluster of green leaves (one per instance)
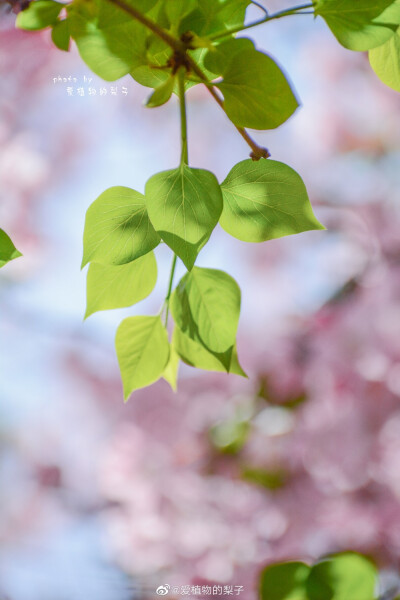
(345, 576)
(258, 201)
(113, 44)
(170, 45)
(7, 249)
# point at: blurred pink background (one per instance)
(106, 501)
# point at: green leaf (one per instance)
(206, 307)
(111, 42)
(217, 60)
(214, 16)
(199, 55)
(256, 92)
(110, 52)
(385, 61)
(142, 350)
(117, 228)
(60, 35)
(144, 6)
(196, 355)
(39, 14)
(265, 200)
(162, 94)
(360, 25)
(7, 249)
(170, 373)
(151, 70)
(231, 13)
(184, 206)
(109, 15)
(343, 577)
(176, 9)
(120, 286)
(287, 581)
(150, 76)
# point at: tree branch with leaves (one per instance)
(170, 46)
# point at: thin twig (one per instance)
(296, 10)
(260, 6)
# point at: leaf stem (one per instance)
(182, 106)
(184, 161)
(170, 284)
(283, 13)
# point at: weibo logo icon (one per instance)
(163, 590)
